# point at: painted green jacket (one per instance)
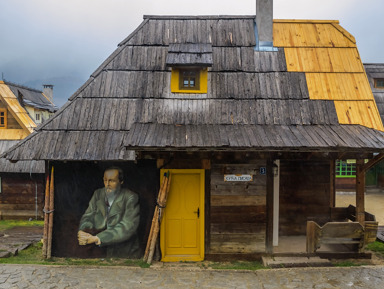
(119, 225)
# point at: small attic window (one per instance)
(3, 118)
(379, 83)
(189, 63)
(189, 79)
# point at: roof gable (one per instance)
(14, 107)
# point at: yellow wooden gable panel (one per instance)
(14, 107)
(13, 134)
(309, 59)
(328, 56)
(310, 33)
(359, 112)
(339, 86)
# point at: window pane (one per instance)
(192, 82)
(379, 83)
(186, 83)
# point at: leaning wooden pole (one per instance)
(51, 209)
(161, 203)
(154, 219)
(46, 217)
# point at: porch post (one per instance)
(360, 188)
(332, 192)
(269, 229)
(276, 202)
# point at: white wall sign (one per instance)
(238, 178)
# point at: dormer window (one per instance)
(379, 83)
(189, 64)
(3, 118)
(189, 79)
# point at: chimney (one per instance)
(48, 91)
(264, 25)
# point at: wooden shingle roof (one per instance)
(189, 54)
(30, 167)
(313, 91)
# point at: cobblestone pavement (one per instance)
(35, 276)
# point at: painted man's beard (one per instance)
(110, 191)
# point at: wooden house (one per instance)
(346, 169)
(249, 126)
(21, 183)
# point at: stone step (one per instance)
(289, 262)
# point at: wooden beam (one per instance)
(360, 189)
(373, 162)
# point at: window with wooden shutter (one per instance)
(3, 118)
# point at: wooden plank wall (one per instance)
(18, 192)
(238, 210)
(304, 195)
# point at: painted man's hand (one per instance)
(85, 238)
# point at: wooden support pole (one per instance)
(46, 216)
(360, 189)
(332, 187)
(51, 209)
(270, 191)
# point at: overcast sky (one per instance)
(62, 42)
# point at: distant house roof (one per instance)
(376, 71)
(312, 94)
(32, 97)
(17, 110)
(10, 95)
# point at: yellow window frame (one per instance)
(203, 81)
(3, 118)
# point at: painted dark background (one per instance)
(75, 183)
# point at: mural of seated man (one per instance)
(112, 218)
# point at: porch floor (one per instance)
(297, 244)
(291, 244)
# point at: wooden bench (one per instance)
(342, 233)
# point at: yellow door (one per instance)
(182, 227)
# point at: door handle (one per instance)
(197, 212)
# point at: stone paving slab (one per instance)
(52, 277)
(16, 239)
(288, 262)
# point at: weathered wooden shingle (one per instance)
(283, 137)
(189, 54)
(27, 167)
